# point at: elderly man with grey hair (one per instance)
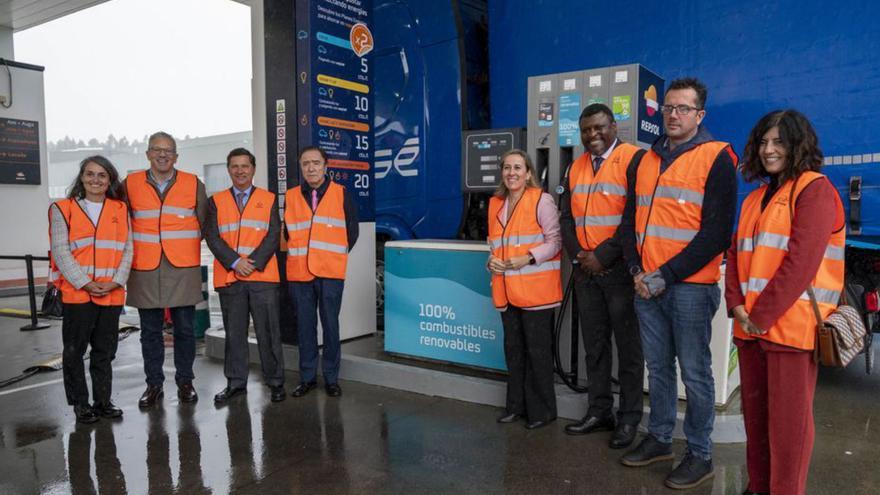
(167, 208)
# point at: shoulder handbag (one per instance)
(840, 337)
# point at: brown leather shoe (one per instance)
(186, 392)
(150, 396)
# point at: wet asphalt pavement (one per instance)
(370, 440)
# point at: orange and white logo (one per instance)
(651, 100)
(361, 39)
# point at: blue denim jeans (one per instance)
(153, 343)
(678, 324)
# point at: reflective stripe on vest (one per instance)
(669, 207)
(597, 200)
(762, 240)
(318, 241)
(98, 250)
(532, 285)
(244, 232)
(166, 226)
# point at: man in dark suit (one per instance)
(243, 229)
(591, 206)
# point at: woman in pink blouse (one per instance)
(525, 244)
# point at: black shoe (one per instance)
(623, 436)
(85, 414)
(303, 388)
(107, 410)
(649, 451)
(534, 425)
(333, 389)
(749, 492)
(278, 393)
(509, 418)
(690, 472)
(150, 396)
(186, 392)
(227, 393)
(590, 424)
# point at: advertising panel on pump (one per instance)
(650, 96)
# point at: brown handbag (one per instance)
(840, 337)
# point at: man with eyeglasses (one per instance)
(168, 208)
(678, 221)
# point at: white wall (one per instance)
(23, 208)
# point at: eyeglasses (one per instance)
(160, 151)
(681, 109)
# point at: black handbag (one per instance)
(52, 305)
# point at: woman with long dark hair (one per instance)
(91, 256)
(788, 249)
(525, 242)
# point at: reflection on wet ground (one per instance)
(370, 440)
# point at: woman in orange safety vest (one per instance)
(91, 257)
(790, 238)
(525, 242)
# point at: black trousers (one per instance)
(239, 303)
(605, 307)
(529, 355)
(83, 325)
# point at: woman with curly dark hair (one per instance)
(91, 258)
(787, 255)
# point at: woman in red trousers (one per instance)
(790, 238)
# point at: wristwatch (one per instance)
(532, 260)
(635, 270)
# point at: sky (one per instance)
(131, 67)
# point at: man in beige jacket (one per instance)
(167, 210)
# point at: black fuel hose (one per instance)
(557, 362)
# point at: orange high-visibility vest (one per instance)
(97, 249)
(244, 232)
(532, 285)
(597, 200)
(318, 241)
(762, 245)
(669, 207)
(168, 226)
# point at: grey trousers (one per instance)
(258, 300)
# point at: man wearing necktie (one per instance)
(592, 202)
(322, 226)
(243, 231)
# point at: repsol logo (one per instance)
(650, 127)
